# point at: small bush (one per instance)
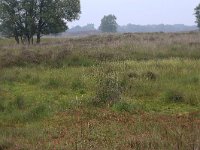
(173, 96)
(108, 91)
(150, 75)
(19, 102)
(131, 74)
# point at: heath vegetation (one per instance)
(116, 91)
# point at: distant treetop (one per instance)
(108, 24)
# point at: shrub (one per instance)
(149, 75)
(173, 96)
(131, 74)
(108, 91)
(19, 102)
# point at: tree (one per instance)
(108, 24)
(9, 19)
(26, 18)
(197, 14)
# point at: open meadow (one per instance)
(104, 92)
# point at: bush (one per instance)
(108, 91)
(131, 74)
(173, 96)
(19, 102)
(149, 75)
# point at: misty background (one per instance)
(138, 15)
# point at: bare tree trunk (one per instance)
(32, 40)
(38, 38)
(17, 39)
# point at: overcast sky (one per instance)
(140, 12)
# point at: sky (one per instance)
(141, 12)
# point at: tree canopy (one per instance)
(108, 24)
(197, 14)
(22, 19)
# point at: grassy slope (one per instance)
(47, 93)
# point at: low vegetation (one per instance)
(120, 91)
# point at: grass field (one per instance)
(121, 91)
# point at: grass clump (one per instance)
(150, 75)
(53, 83)
(132, 75)
(108, 91)
(77, 84)
(2, 107)
(173, 96)
(192, 99)
(122, 107)
(36, 113)
(80, 61)
(4, 144)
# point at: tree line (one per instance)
(24, 19)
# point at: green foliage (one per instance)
(53, 83)
(77, 84)
(149, 75)
(5, 144)
(109, 91)
(43, 107)
(19, 102)
(173, 96)
(197, 15)
(22, 19)
(122, 107)
(36, 113)
(108, 24)
(2, 107)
